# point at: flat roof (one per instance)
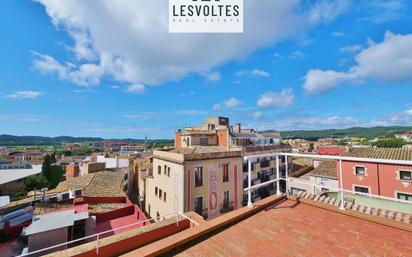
(55, 220)
(297, 229)
(9, 175)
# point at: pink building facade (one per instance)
(394, 181)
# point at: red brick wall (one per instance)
(126, 245)
(72, 171)
(222, 138)
(178, 141)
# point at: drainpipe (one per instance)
(379, 183)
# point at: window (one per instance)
(226, 198)
(159, 170)
(78, 193)
(198, 176)
(160, 193)
(405, 197)
(164, 171)
(156, 190)
(164, 196)
(65, 196)
(199, 205)
(168, 171)
(405, 175)
(362, 190)
(225, 172)
(359, 170)
(203, 141)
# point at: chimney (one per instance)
(237, 128)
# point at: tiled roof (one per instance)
(380, 153)
(311, 231)
(327, 168)
(103, 183)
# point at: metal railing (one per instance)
(98, 235)
(341, 190)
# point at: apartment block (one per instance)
(203, 179)
(389, 180)
(218, 131)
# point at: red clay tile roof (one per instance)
(380, 153)
(330, 150)
(327, 168)
(297, 229)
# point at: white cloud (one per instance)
(350, 49)
(129, 40)
(296, 55)
(257, 114)
(338, 34)
(229, 103)
(213, 76)
(87, 74)
(135, 89)
(283, 98)
(277, 55)
(21, 117)
(381, 11)
(387, 62)
(144, 116)
(255, 73)
(24, 95)
(409, 112)
(319, 81)
(191, 112)
(298, 122)
(327, 11)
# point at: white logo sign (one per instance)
(206, 16)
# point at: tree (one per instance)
(46, 167)
(311, 147)
(56, 176)
(390, 143)
(34, 182)
(53, 158)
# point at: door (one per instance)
(199, 205)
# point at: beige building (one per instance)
(204, 179)
(321, 179)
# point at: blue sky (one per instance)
(111, 69)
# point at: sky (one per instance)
(111, 69)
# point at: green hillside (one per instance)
(369, 133)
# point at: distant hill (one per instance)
(368, 133)
(10, 140)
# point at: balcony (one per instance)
(256, 181)
(264, 164)
(256, 166)
(226, 207)
(272, 163)
(272, 177)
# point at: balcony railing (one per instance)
(284, 176)
(226, 207)
(264, 164)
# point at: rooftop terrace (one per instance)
(296, 229)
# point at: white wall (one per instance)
(173, 186)
(113, 163)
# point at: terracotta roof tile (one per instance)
(380, 153)
(327, 168)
